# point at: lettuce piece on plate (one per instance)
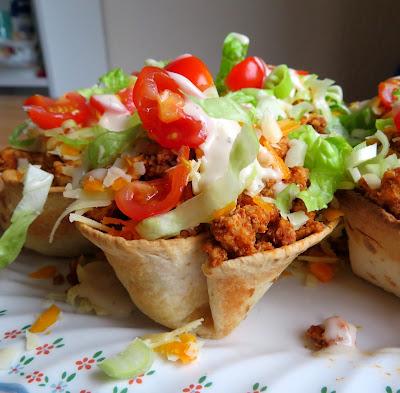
(36, 188)
(136, 359)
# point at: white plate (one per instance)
(265, 354)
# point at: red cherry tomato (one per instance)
(159, 103)
(48, 113)
(302, 72)
(250, 72)
(140, 199)
(397, 121)
(386, 90)
(126, 97)
(193, 69)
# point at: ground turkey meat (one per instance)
(237, 231)
(48, 162)
(156, 164)
(388, 194)
(311, 226)
(318, 122)
(315, 334)
(282, 147)
(299, 176)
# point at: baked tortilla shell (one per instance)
(374, 241)
(171, 282)
(68, 242)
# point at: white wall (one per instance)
(352, 41)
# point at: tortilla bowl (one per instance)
(374, 236)
(171, 282)
(68, 242)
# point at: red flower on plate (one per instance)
(36, 376)
(85, 363)
(44, 349)
(138, 380)
(193, 388)
(12, 334)
(85, 391)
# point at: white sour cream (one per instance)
(339, 332)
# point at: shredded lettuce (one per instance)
(106, 148)
(217, 195)
(286, 197)
(363, 118)
(326, 158)
(381, 124)
(248, 95)
(156, 63)
(136, 359)
(37, 184)
(111, 82)
(224, 108)
(234, 50)
(80, 137)
(15, 138)
(280, 81)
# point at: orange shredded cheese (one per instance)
(67, 150)
(93, 185)
(119, 183)
(287, 126)
(48, 271)
(324, 272)
(224, 211)
(331, 214)
(185, 349)
(278, 162)
(268, 207)
(47, 318)
(199, 153)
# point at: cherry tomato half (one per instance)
(192, 68)
(386, 90)
(126, 97)
(142, 199)
(159, 103)
(251, 72)
(48, 113)
(397, 121)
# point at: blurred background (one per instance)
(52, 46)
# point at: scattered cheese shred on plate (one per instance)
(48, 271)
(47, 318)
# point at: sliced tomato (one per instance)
(397, 121)
(302, 72)
(159, 103)
(251, 72)
(192, 68)
(386, 90)
(142, 199)
(48, 113)
(126, 97)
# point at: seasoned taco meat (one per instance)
(388, 194)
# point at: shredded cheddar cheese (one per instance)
(46, 319)
(185, 348)
(93, 185)
(67, 150)
(331, 214)
(48, 271)
(118, 184)
(278, 162)
(268, 207)
(224, 211)
(287, 126)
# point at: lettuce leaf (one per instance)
(286, 197)
(217, 195)
(224, 108)
(280, 81)
(111, 82)
(36, 188)
(15, 140)
(326, 158)
(234, 50)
